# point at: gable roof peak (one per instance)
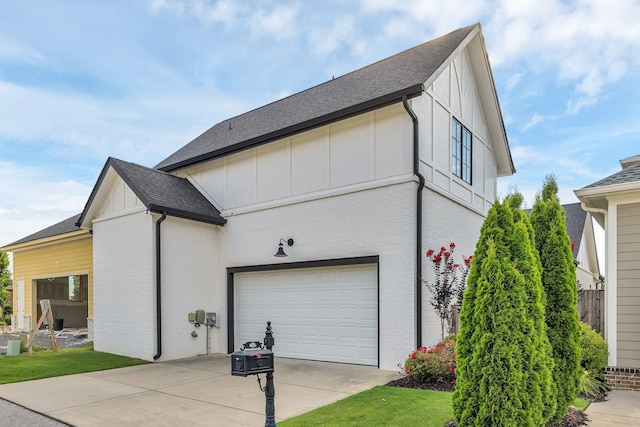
(629, 161)
(158, 191)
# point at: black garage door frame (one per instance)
(231, 271)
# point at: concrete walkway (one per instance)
(622, 408)
(198, 392)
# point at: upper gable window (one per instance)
(460, 151)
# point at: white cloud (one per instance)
(33, 200)
(589, 43)
(326, 40)
(221, 11)
(142, 129)
(436, 16)
(281, 23)
(536, 119)
(13, 51)
(586, 44)
(514, 79)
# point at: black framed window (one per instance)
(461, 143)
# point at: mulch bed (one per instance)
(574, 417)
(406, 382)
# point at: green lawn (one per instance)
(387, 406)
(381, 406)
(581, 403)
(47, 363)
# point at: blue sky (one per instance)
(136, 80)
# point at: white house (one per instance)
(355, 178)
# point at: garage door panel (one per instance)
(328, 313)
(368, 313)
(369, 333)
(321, 313)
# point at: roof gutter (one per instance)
(159, 289)
(416, 171)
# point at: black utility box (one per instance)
(251, 361)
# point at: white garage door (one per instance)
(328, 313)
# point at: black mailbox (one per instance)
(251, 360)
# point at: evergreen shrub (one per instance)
(595, 351)
(553, 244)
(503, 372)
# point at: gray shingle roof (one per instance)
(630, 174)
(66, 226)
(575, 220)
(374, 86)
(160, 192)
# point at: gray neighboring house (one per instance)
(615, 203)
(583, 245)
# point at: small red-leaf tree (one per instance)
(449, 284)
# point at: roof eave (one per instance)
(364, 107)
(71, 235)
(607, 189)
(187, 215)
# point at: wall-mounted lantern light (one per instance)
(281, 252)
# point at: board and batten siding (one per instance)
(370, 147)
(64, 257)
(628, 284)
(454, 94)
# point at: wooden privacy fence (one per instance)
(590, 310)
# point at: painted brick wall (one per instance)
(124, 287)
(190, 281)
(379, 221)
(444, 221)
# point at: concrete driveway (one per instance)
(197, 391)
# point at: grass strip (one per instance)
(381, 406)
(47, 363)
(581, 403)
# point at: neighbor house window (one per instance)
(461, 151)
(75, 288)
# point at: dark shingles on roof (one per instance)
(163, 192)
(66, 226)
(159, 192)
(630, 174)
(575, 220)
(373, 86)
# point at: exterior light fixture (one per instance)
(281, 252)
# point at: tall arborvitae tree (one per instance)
(503, 371)
(542, 389)
(559, 281)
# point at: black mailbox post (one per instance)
(254, 359)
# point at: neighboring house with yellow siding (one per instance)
(55, 263)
